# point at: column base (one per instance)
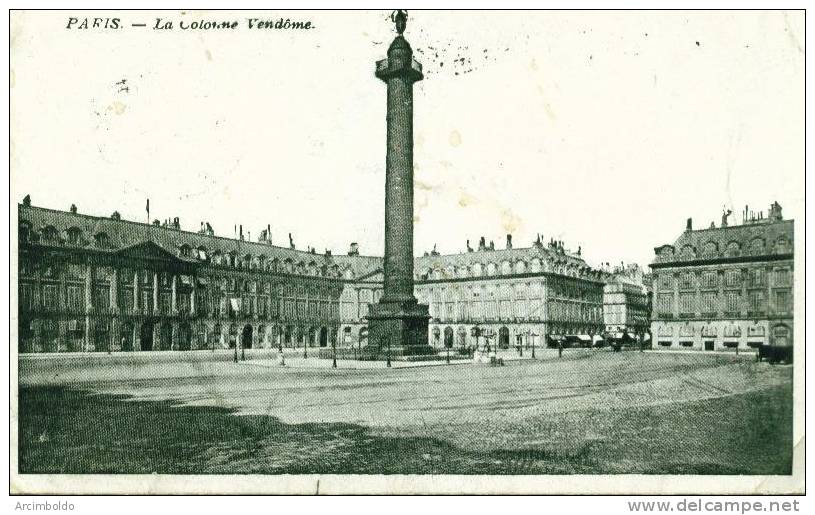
(402, 326)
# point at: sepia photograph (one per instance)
(407, 252)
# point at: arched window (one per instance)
(711, 248)
(49, 234)
(102, 240)
(733, 249)
(74, 236)
(782, 245)
(688, 251)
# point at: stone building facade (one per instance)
(627, 304)
(726, 287)
(89, 283)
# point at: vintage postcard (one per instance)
(405, 251)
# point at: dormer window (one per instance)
(102, 240)
(185, 251)
(49, 234)
(74, 236)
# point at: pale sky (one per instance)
(606, 130)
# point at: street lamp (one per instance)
(534, 337)
(334, 349)
(305, 348)
(388, 364)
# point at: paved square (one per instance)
(590, 412)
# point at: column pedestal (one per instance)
(400, 326)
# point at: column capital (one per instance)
(399, 63)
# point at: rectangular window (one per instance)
(165, 301)
(101, 298)
(782, 277)
(27, 297)
(708, 302)
(756, 301)
(709, 279)
(732, 278)
(665, 343)
(756, 277)
(686, 281)
(75, 297)
(147, 301)
(782, 301)
(732, 301)
(665, 303)
(686, 303)
(50, 297)
(686, 344)
(126, 300)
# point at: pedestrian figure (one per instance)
(560, 348)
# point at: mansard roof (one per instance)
(123, 234)
(767, 238)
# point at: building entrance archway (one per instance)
(147, 336)
(246, 337)
(323, 337)
(448, 337)
(184, 336)
(503, 338)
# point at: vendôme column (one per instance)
(398, 321)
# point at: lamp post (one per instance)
(305, 348)
(388, 364)
(448, 352)
(534, 337)
(334, 350)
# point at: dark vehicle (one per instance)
(775, 353)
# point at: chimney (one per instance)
(115, 216)
(156, 222)
(482, 245)
(775, 212)
(240, 233)
(73, 208)
(27, 200)
(509, 241)
(176, 223)
(689, 224)
(353, 250)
